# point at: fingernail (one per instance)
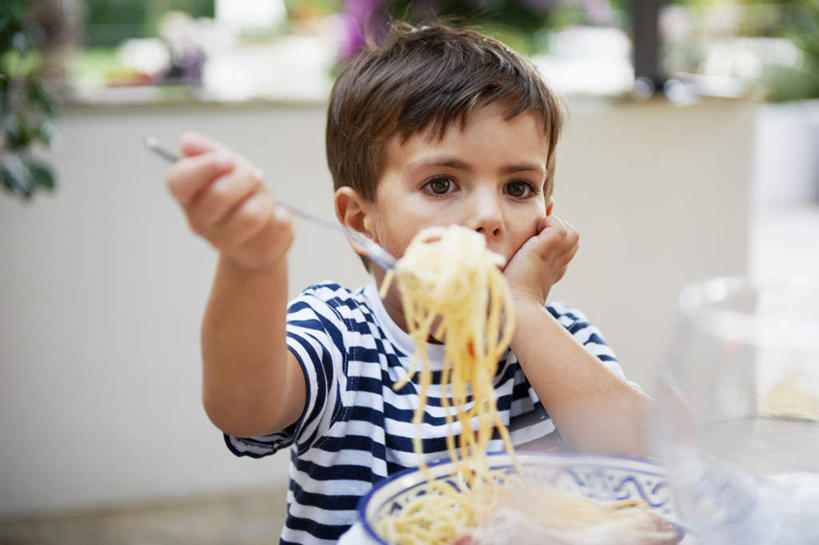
(259, 173)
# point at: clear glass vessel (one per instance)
(736, 423)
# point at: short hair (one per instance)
(426, 77)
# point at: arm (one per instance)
(593, 408)
(252, 384)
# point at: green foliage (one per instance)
(767, 18)
(26, 107)
(786, 83)
(109, 22)
(804, 29)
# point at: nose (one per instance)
(486, 215)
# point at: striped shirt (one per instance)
(356, 429)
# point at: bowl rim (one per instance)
(522, 455)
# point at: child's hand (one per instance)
(542, 260)
(228, 204)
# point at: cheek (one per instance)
(394, 234)
(525, 230)
(528, 221)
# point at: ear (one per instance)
(550, 205)
(354, 212)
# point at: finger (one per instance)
(569, 244)
(561, 274)
(222, 196)
(557, 242)
(540, 225)
(273, 240)
(575, 246)
(194, 143)
(552, 222)
(189, 176)
(245, 221)
(554, 231)
(567, 257)
(571, 236)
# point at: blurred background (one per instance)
(691, 151)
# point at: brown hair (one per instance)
(426, 77)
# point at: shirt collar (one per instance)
(396, 335)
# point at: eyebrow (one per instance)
(457, 164)
(523, 167)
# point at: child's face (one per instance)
(488, 177)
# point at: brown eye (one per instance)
(520, 189)
(440, 185)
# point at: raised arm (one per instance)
(251, 383)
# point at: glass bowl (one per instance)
(736, 424)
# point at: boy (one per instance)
(437, 126)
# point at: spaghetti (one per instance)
(453, 290)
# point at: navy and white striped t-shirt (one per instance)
(356, 430)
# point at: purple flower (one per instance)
(363, 19)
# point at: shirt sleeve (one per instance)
(314, 336)
(589, 337)
(529, 419)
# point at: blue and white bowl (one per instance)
(605, 478)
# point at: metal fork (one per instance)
(379, 255)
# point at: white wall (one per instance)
(786, 169)
(661, 197)
(102, 286)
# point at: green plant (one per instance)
(26, 107)
(800, 82)
(108, 23)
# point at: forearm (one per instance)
(594, 410)
(245, 374)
